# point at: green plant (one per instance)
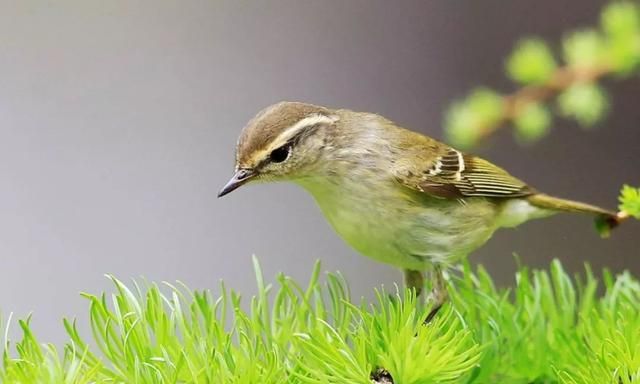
(589, 55)
(630, 201)
(550, 328)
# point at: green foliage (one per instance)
(585, 102)
(588, 55)
(621, 24)
(531, 63)
(610, 349)
(532, 123)
(465, 119)
(630, 201)
(584, 49)
(42, 363)
(550, 328)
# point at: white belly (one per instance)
(398, 228)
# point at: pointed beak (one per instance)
(241, 177)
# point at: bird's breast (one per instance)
(390, 224)
(366, 216)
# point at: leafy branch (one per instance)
(589, 55)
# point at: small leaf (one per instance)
(466, 120)
(603, 227)
(584, 49)
(531, 62)
(487, 105)
(460, 126)
(621, 23)
(584, 102)
(621, 19)
(630, 201)
(532, 123)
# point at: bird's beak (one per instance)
(242, 176)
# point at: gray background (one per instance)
(118, 121)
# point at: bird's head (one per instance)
(284, 141)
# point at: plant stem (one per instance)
(560, 80)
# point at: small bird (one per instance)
(394, 195)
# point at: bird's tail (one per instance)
(605, 220)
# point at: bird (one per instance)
(394, 195)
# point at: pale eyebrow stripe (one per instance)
(308, 121)
(292, 131)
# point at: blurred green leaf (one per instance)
(584, 49)
(630, 201)
(531, 62)
(585, 102)
(621, 19)
(466, 119)
(460, 125)
(621, 23)
(532, 123)
(487, 104)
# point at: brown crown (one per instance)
(268, 124)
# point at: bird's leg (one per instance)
(439, 294)
(414, 279)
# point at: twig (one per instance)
(561, 79)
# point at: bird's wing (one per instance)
(454, 175)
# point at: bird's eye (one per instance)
(280, 154)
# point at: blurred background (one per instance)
(118, 121)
